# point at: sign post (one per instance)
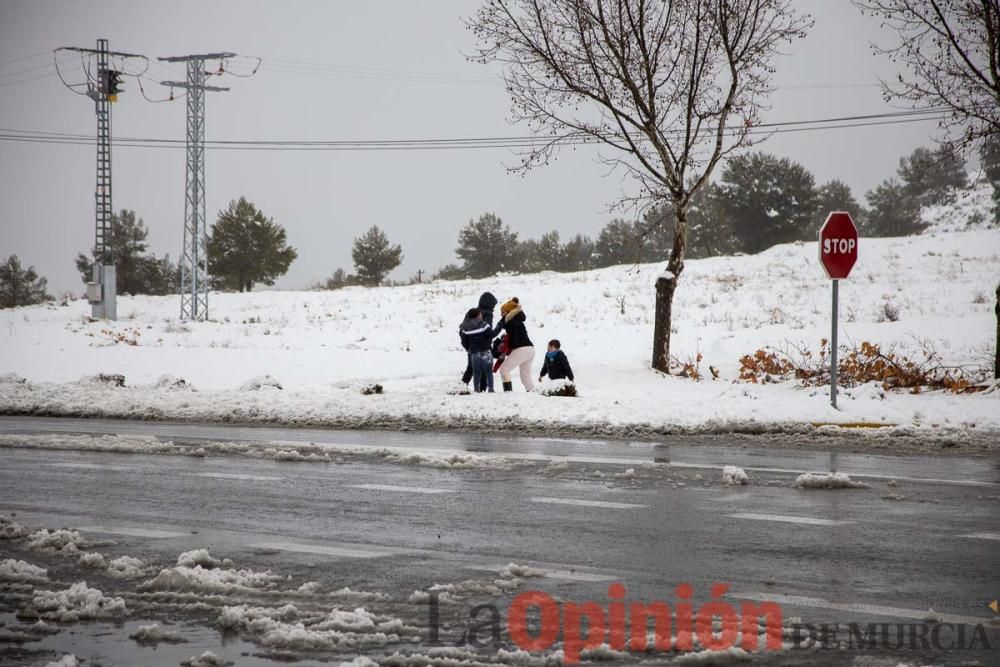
(838, 252)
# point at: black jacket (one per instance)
(476, 335)
(558, 368)
(513, 324)
(487, 302)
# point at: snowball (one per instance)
(735, 476)
(77, 603)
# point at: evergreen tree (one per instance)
(577, 254)
(620, 242)
(375, 257)
(488, 246)
(989, 154)
(709, 230)
(135, 271)
(20, 286)
(246, 248)
(450, 272)
(930, 177)
(891, 211)
(545, 254)
(767, 200)
(837, 196)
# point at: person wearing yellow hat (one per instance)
(522, 351)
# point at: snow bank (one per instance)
(325, 345)
(61, 541)
(11, 530)
(21, 572)
(206, 659)
(77, 603)
(201, 557)
(126, 567)
(151, 635)
(735, 476)
(280, 628)
(200, 580)
(730, 656)
(832, 480)
(65, 661)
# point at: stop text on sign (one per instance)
(839, 246)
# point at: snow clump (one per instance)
(735, 476)
(833, 480)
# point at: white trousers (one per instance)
(521, 358)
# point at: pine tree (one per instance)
(837, 196)
(767, 200)
(374, 257)
(20, 286)
(577, 254)
(246, 248)
(135, 271)
(450, 272)
(620, 242)
(488, 246)
(989, 154)
(931, 177)
(891, 211)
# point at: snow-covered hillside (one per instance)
(322, 347)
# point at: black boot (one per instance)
(508, 386)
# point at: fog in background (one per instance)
(375, 86)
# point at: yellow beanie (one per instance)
(509, 306)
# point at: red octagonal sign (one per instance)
(838, 245)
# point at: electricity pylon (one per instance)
(104, 89)
(194, 257)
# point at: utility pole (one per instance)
(104, 90)
(194, 257)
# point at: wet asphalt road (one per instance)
(887, 553)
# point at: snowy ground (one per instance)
(323, 348)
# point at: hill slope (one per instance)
(323, 346)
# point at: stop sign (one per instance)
(838, 245)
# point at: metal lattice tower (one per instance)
(102, 290)
(194, 257)
(102, 193)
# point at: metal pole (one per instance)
(833, 346)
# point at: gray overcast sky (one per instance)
(324, 199)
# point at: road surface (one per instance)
(922, 534)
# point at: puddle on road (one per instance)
(109, 644)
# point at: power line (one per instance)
(22, 58)
(844, 122)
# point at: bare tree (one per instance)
(671, 86)
(951, 49)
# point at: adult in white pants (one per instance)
(522, 352)
(521, 359)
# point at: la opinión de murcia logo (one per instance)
(536, 621)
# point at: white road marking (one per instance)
(588, 503)
(92, 466)
(347, 551)
(132, 532)
(860, 608)
(783, 518)
(401, 489)
(228, 475)
(983, 536)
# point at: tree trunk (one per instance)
(666, 285)
(996, 358)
